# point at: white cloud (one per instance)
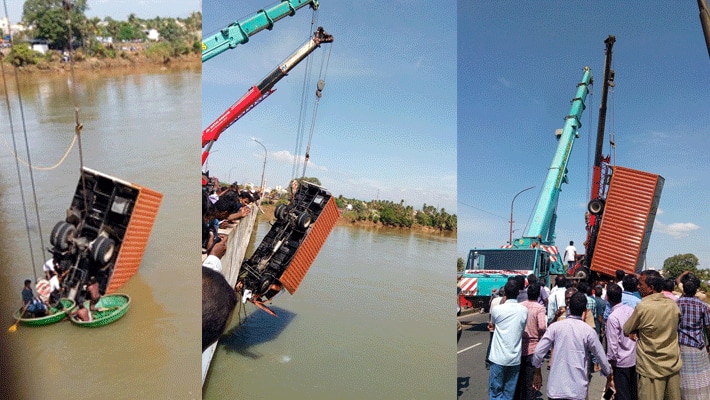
(505, 82)
(676, 229)
(286, 157)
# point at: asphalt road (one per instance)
(472, 376)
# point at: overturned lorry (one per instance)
(620, 224)
(105, 232)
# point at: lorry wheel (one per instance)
(265, 283)
(63, 235)
(582, 273)
(102, 250)
(596, 206)
(304, 220)
(55, 231)
(281, 212)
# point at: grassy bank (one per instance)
(268, 215)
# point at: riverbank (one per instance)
(268, 215)
(131, 62)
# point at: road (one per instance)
(472, 376)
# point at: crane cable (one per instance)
(302, 110)
(302, 114)
(320, 85)
(29, 158)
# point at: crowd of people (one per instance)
(648, 342)
(221, 208)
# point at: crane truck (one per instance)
(535, 252)
(239, 32)
(258, 93)
(619, 220)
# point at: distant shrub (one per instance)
(159, 52)
(22, 55)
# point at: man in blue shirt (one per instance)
(507, 322)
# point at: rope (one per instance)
(36, 168)
(14, 143)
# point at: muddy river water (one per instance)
(137, 126)
(373, 319)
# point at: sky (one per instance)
(121, 9)
(385, 127)
(518, 66)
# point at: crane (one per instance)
(238, 32)
(259, 92)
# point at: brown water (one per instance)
(143, 128)
(373, 319)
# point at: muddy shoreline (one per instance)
(118, 65)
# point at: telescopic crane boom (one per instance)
(257, 93)
(238, 32)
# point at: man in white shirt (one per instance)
(508, 322)
(570, 255)
(48, 266)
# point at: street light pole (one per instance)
(510, 239)
(264, 167)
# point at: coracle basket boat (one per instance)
(110, 308)
(53, 316)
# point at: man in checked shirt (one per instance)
(694, 320)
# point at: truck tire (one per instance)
(102, 250)
(55, 231)
(304, 220)
(281, 212)
(596, 206)
(265, 283)
(582, 273)
(62, 234)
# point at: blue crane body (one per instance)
(239, 32)
(535, 252)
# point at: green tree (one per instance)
(674, 266)
(47, 19)
(128, 32)
(460, 265)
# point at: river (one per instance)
(373, 319)
(138, 127)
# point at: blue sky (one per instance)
(519, 64)
(386, 124)
(121, 9)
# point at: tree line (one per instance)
(47, 20)
(389, 213)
